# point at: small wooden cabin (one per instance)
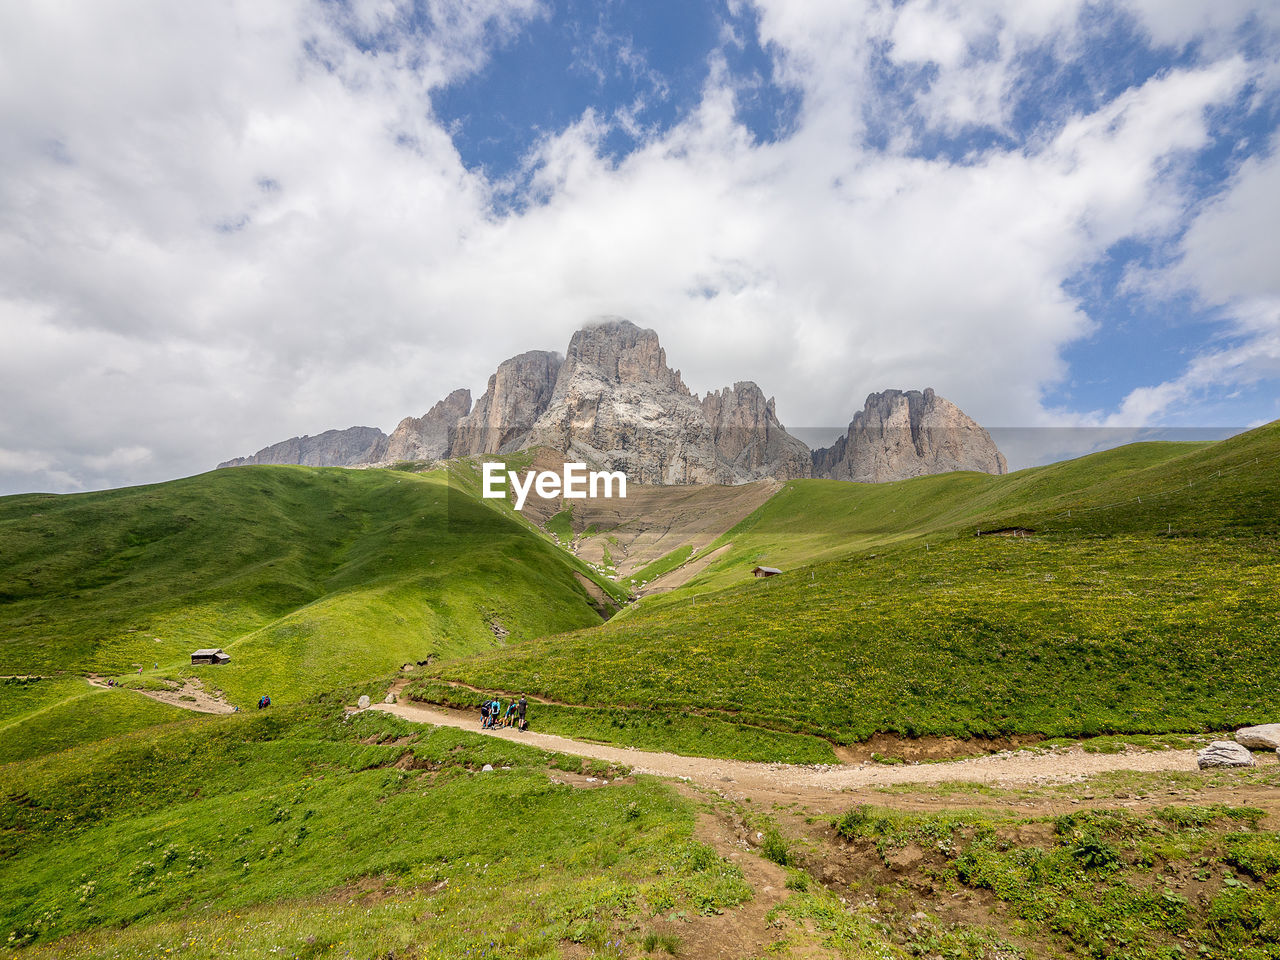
(765, 572)
(210, 656)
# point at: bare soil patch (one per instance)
(685, 572)
(191, 695)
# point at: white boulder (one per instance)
(363, 702)
(1224, 753)
(1265, 736)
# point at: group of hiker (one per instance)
(492, 715)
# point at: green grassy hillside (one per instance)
(1146, 602)
(813, 520)
(302, 833)
(39, 717)
(308, 578)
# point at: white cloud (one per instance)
(225, 224)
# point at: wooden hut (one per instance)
(210, 656)
(765, 572)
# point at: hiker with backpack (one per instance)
(520, 709)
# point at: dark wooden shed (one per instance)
(765, 572)
(210, 656)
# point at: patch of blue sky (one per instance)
(639, 67)
(1051, 83)
(894, 110)
(1237, 131)
(768, 109)
(1139, 341)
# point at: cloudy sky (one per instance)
(227, 223)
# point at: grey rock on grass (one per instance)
(1224, 753)
(1265, 736)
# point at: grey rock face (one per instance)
(908, 434)
(431, 436)
(333, 448)
(1265, 736)
(1224, 753)
(618, 405)
(749, 439)
(613, 402)
(516, 396)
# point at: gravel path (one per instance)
(997, 769)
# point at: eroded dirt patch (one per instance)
(190, 695)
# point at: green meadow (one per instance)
(1184, 880)
(308, 578)
(1145, 602)
(250, 834)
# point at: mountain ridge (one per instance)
(613, 400)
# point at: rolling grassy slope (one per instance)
(813, 520)
(39, 717)
(308, 578)
(1147, 602)
(303, 833)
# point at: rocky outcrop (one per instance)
(618, 405)
(748, 437)
(613, 402)
(1224, 753)
(516, 397)
(1265, 736)
(431, 436)
(333, 448)
(900, 434)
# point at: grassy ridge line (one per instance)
(1075, 632)
(808, 521)
(311, 577)
(978, 637)
(69, 713)
(171, 834)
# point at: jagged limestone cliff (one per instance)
(900, 434)
(613, 402)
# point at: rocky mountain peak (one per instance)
(613, 402)
(516, 396)
(615, 349)
(431, 436)
(333, 448)
(908, 433)
(749, 437)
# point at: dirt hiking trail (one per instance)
(738, 776)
